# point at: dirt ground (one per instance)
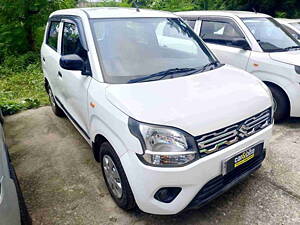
(62, 183)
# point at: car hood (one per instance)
(290, 57)
(198, 103)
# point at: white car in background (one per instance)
(172, 127)
(13, 210)
(291, 25)
(258, 44)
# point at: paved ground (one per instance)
(62, 183)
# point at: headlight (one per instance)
(164, 146)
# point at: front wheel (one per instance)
(281, 104)
(115, 177)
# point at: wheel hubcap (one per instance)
(112, 176)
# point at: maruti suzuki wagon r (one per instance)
(258, 44)
(171, 126)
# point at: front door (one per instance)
(74, 85)
(219, 33)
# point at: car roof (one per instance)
(283, 20)
(240, 14)
(114, 12)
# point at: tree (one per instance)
(22, 22)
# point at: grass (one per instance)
(21, 85)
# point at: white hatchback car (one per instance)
(258, 44)
(291, 25)
(172, 127)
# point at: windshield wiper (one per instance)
(209, 66)
(188, 71)
(292, 48)
(162, 74)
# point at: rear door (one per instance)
(218, 34)
(50, 54)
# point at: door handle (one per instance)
(44, 59)
(59, 74)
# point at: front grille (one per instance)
(220, 184)
(222, 138)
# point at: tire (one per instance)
(25, 218)
(126, 200)
(55, 108)
(281, 104)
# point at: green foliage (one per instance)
(13, 64)
(12, 107)
(290, 8)
(22, 23)
(21, 84)
(173, 5)
(111, 4)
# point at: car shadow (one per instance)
(292, 122)
(214, 212)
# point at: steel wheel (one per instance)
(112, 176)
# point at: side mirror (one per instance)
(241, 43)
(71, 62)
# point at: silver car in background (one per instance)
(12, 206)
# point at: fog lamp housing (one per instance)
(167, 194)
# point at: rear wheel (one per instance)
(55, 108)
(281, 103)
(115, 177)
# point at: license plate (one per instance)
(241, 158)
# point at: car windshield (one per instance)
(130, 49)
(270, 35)
(296, 25)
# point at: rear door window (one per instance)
(53, 34)
(191, 23)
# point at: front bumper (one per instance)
(145, 181)
(221, 184)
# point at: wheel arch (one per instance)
(268, 83)
(96, 144)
